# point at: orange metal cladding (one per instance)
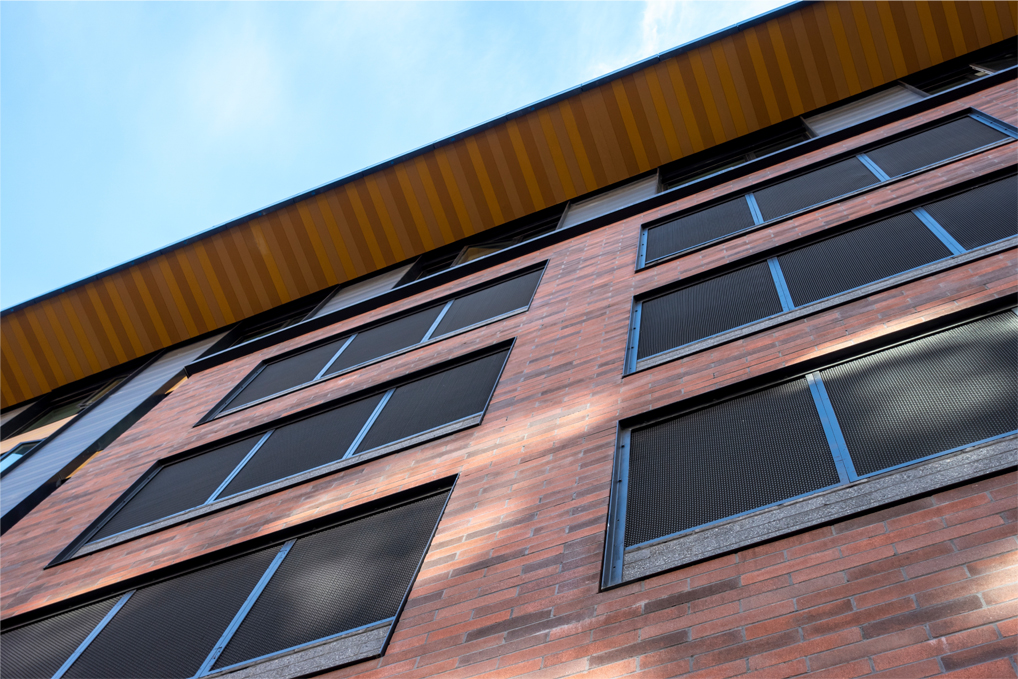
(796, 61)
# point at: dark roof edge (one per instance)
(541, 103)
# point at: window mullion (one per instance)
(835, 438)
(236, 470)
(228, 633)
(873, 167)
(367, 425)
(438, 319)
(947, 239)
(779, 282)
(754, 209)
(334, 357)
(92, 635)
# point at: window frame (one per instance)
(957, 257)
(945, 468)
(882, 180)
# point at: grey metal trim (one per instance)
(92, 635)
(241, 465)
(940, 232)
(368, 422)
(438, 319)
(787, 304)
(332, 360)
(612, 568)
(824, 304)
(823, 507)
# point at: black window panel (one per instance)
(980, 216)
(286, 373)
(338, 579)
(813, 187)
(305, 444)
(488, 303)
(935, 394)
(386, 338)
(699, 227)
(169, 628)
(39, 649)
(933, 145)
(707, 308)
(435, 400)
(724, 460)
(858, 257)
(177, 487)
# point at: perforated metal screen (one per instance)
(699, 227)
(724, 460)
(858, 257)
(935, 394)
(39, 649)
(488, 303)
(177, 487)
(933, 145)
(169, 628)
(813, 187)
(304, 445)
(385, 339)
(706, 309)
(339, 579)
(436, 400)
(287, 373)
(981, 215)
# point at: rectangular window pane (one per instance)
(338, 579)
(935, 394)
(706, 225)
(436, 400)
(489, 303)
(933, 145)
(858, 257)
(724, 460)
(385, 339)
(980, 216)
(286, 373)
(707, 308)
(813, 187)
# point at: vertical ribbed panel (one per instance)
(177, 487)
(858, 257)
(386, 338)
(305, 444)
(813, 187)
(39, 649)
(488, 303)
(286, 373)
(707, 308)
(169, 628)
(724, 460)
(339, 579)
(932, 146)
(689, 230)
(439, 399)
(981, 215)
(934, 394)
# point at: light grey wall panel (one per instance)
(609, 201)
(841, 117)
(358, 292)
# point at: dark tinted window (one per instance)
(980, 216)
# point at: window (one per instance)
(663, 322)
(844, 115)
(853, 420)
(777, 200)
(580, 211)
(336, 356)
(362, 289)
(340, 584)
(15, 455)
(440, 401)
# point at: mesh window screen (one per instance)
(304, 445)
(858, 257)
(436, 400)
(934, 145)
(169, 628)
(39, 649)
(339, 579)
(385, 339)
(724, 460)
(287, 373)
(177, 487)
(699, 227)
(928, 396)
(980, 216)
(813, 187)
(488, 303)
(706, 309)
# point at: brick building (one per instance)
(706, 368)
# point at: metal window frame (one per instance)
(21, 457)
(222, 410)
(615, 549)
(859, 154)
(632, 359)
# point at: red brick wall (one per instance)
(510, 585)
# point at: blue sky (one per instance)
(126, 126)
